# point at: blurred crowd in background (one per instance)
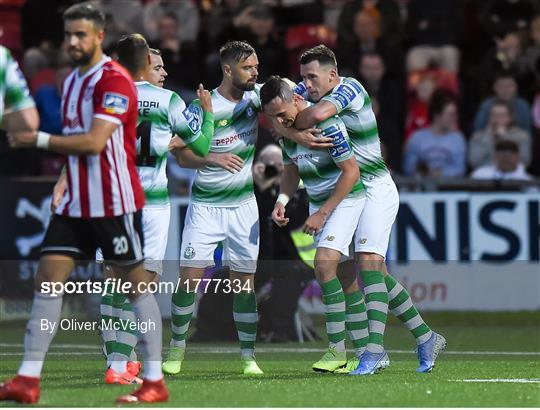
(455, 84)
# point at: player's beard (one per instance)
(247, 86)
(84, 57)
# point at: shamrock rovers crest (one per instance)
(189, 253)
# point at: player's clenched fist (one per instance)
(22, 139)
(314, 223)
(278, 215)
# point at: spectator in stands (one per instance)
(364, 37)
(259, 31)
(439, 150)
(182, 61)
(500, 127)
(187, 18)
(122, 17)
(417, 105)
(503, 16)
(506, 164)
(224, 18)
(387, 101)
(505, 88)
(432, 31)
(530, 59)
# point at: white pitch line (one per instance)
(497, 381)
(234, 350)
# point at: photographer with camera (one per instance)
(280, 260)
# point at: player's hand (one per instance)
(58, 193)
(22, 139)
(205, 98)
(278, 215)
(175, 144)
(311, 139)
(231, 162)
(314, 223)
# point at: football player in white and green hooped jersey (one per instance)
(17, 108)
(336, 199)
(347, 98)
(162, 114)
(223, 208)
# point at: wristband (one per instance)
(43, 139)
(283, 198)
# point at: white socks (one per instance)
(147, 310)
(40, 331)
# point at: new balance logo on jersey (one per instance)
(115, 103)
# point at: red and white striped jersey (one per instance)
(107, 184)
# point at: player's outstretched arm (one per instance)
(91, 143)
(315, 114)
(287, 189)
(345, 183)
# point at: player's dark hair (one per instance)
(274, 87)
(133, 52)
(235, 51)
(438, 102)
(319, 53)
(86, 11)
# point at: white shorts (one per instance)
(236, 227)
(338, 231)
(155, 224)
(377, 218)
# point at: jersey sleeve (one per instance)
(301, 90)
(347, 94)
(341, 147)
(17, 96)
(113, 96)
(286, 158)
(191, 124)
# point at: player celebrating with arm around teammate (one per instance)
(347, 98)
(336, 196)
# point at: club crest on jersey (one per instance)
(193, 116)
(88, 93)
(189, 253)
(249, 111)
(115, 103)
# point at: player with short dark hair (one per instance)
(102, 205)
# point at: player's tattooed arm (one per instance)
(315, 114)
(287, 189)
(309, 138)
(91, 143)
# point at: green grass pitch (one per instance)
(482, 348)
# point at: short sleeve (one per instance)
(113, 96)
(286, 158)
(341, 147)
(17, 96)
(186, 122)
(347, 94)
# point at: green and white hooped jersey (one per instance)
(235, 132)
(14, 93)
(318, 168)
(162, 113)
(353, 106)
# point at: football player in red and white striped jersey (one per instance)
(101, 207)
